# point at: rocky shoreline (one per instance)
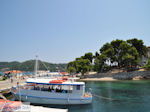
(135, 75)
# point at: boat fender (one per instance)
(26, 97)
(68, 100)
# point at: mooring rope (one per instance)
(106, 98)
(102, 97)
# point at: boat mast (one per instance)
(36, 65)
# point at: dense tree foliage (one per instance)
(81, 65)
(120, 53)
(117, 53)
(88, 56)
(139, 45)
(72, 67)
(29, 66)
(100, 64)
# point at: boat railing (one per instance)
(51, 90)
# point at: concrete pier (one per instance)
(7, 84)
(45, 109)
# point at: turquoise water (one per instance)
(128, 96)
(120, 96)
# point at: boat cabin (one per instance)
(56, 86)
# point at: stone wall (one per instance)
(122, 75)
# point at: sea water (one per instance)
(116, 96)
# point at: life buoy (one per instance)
(57, 81)
(31, 85)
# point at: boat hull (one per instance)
(52, 100)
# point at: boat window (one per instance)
(78, 87)
(53, 88)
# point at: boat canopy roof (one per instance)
(52, 82)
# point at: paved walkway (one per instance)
(44, 109)
(4, 85)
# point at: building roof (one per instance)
(13, 71)
(50, 82)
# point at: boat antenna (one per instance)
(36, 65)
(45, 66)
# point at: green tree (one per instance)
(96, 54)
(100, 63)
(116, 53)
(88, 56)
(105, 47)
(139, 45)
(72, 64)
(83, 66)
(71, 70)
(128, 55)
(119, 52)
(112, 51)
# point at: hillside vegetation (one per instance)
(29, 66)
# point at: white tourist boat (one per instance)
(52, 91)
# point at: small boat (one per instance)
(52, 91)
(9, 106)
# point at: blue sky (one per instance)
(61, 30)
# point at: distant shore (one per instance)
(134, 75)
(99, 79)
